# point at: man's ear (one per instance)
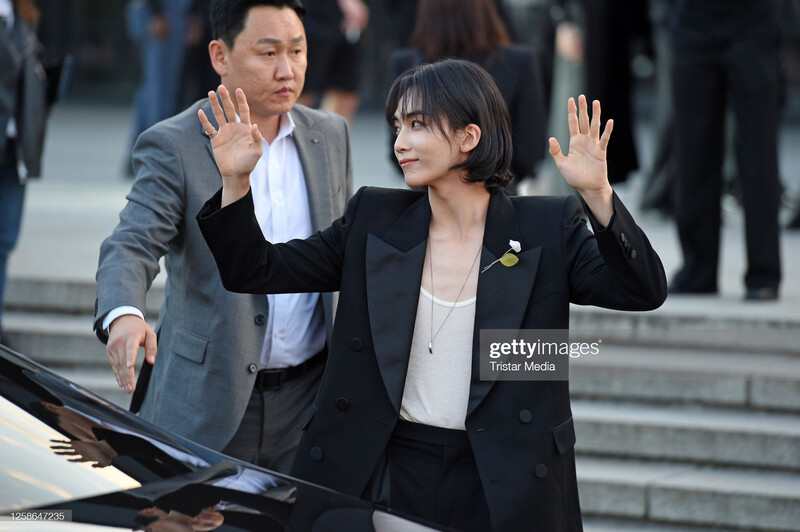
(218, 53)
(469, 138)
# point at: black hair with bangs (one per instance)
(452, 94)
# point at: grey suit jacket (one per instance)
(209, 339)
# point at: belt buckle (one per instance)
(271, 379)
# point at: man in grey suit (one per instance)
(234, 372)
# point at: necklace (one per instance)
(430, 261)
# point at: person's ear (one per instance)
(469, 138)
(218, 53)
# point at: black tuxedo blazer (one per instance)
(521, 433)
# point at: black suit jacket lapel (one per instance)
(503, 292)
(393, 276)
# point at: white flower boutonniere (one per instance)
(508, 259)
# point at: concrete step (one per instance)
(67, 296)
(754, 381)
(688, 434)
(55, 340)
(689, 495)
(599, 524)
(59, 341)
(709, 326)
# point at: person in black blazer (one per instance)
(463, 452)
(474, 30)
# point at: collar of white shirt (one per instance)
(286, 128)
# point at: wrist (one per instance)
(600, 202)
(596, 194)
(232, 192)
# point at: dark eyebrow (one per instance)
(412, 113)
(270, 40)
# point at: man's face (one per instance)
(268, 60)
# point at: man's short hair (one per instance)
(228, 16)
(455, 93)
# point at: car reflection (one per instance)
(64, 448)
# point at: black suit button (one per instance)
(252, 368)
(260, 319)
(316, 454)
(633, 253)
(525, 416)
(356, 344)
(540, 471)
(342, 403)
(623, 238)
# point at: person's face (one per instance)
(268, 60)
(425, 154)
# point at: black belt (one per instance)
(273, 379)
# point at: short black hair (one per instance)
(228, 16)
(457, 93)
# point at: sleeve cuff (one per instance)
(597, 227)
(120, 311)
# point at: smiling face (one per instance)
(460, 106)
(267, 60)
(426, 154)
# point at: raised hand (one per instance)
(236, 144)
(585, 167)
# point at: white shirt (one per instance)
(437, 384)
(295, 328)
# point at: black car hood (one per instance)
(64, 448)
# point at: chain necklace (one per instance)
(430, 261)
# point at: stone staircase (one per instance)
(687, 434)
(51, 322)
(697, 430)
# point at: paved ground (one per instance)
(75, 206)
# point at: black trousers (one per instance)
(726, 51)
(433, 476)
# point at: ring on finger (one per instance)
(210, 134)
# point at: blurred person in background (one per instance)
(334, 29)
(404, 13)
(159, 27)
(23, 112)
(726, 51)
(198, 74)
(594, 42)
(790, 63)
(659, 179)
(474, 30)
